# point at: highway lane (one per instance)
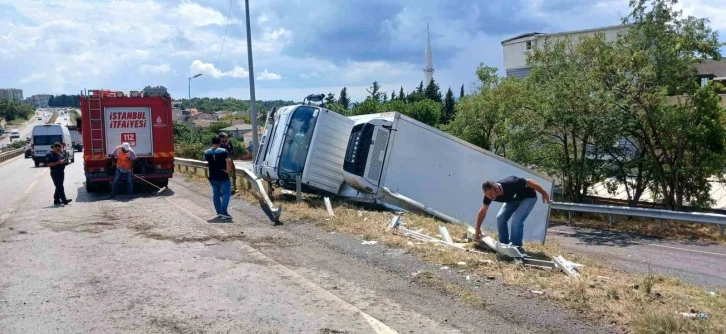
(153, 264)
(701, 263)
(24, 129)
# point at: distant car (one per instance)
(40, 118)
(14, 134)
(28, 151)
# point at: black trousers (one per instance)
(60, 193)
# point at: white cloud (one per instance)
(268, 76)
(155, 69)
(209, 70)
(199, 15)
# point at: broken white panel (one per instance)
(328, 206)
(566, 266)
(445, 235)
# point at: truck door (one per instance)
(131, 125)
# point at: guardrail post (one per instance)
(612, 220)
(298, 188)
(660, 224)
(720, 230)
(569, 217)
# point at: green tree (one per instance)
(425, 111)
(182, 133)
(369, 106)
(330, 98)
(433, 92)
(374, 92)
(402, 94)
(420, 88)
(677, 124)
(461, 93)
(393, 95)
(449, 103)
(343, 98)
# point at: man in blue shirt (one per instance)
(57, 161)
(219, 163)
(227, 145)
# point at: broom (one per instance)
(161, 190)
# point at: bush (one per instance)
(190, 150)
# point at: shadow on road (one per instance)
(140, 191)
(614, 238)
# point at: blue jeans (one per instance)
(221, 191)
(518, 211)
(129, 182)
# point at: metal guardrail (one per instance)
(273, 212)
(659, 214)
(7, 155)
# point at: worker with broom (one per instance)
(124, 166)
(220, 167)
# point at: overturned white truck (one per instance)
(389, 159)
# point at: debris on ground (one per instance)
(369, 242)
(570, 268)
(694, 314)
(537, 292)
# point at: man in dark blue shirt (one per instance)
(519, 196)
(219, 163)
(227, 145)
(57, 161)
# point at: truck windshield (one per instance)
(47, 140)
(297, 141)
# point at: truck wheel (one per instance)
(37, 163)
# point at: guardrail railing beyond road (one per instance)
(9, 154)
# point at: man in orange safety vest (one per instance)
(124, 166)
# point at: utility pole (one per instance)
(253, 109)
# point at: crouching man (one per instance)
(519, 196)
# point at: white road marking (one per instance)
(377, 326)
(30, 187)
(653, 245)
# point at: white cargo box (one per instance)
(435, 169)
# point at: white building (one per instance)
(40, 100)
(11, 94)
(516, 48)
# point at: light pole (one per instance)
(190, 97)
(190, 89)
(253, 109)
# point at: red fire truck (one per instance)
(141, 118)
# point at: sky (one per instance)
(299, 47)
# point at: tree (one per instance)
(393, 95)
(679, 124)
(374, 92)
(369, 106)
(449, 103)
(182, 133)
(330, 98)
(433, 92)
(461, 93)
(567, 108)
(385, 97)
(420, 88)
(425, 111)
(344, 99)
(402, 94)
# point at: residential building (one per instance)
(516, 48)
(176, 105)
(713, 70)
(11, 94)
(40, 100)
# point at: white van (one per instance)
(43, 138)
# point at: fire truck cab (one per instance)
(141, 118)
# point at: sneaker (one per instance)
(224, 216)
(67, 201)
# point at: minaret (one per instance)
(429, 68)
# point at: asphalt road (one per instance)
(701, 263)
(26, 129)
(155, 264)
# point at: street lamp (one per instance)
(253, 110)
(190, 89)
(190, 97)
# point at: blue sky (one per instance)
(300, 46)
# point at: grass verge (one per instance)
(648, 303)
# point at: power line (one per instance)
(224, 37)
